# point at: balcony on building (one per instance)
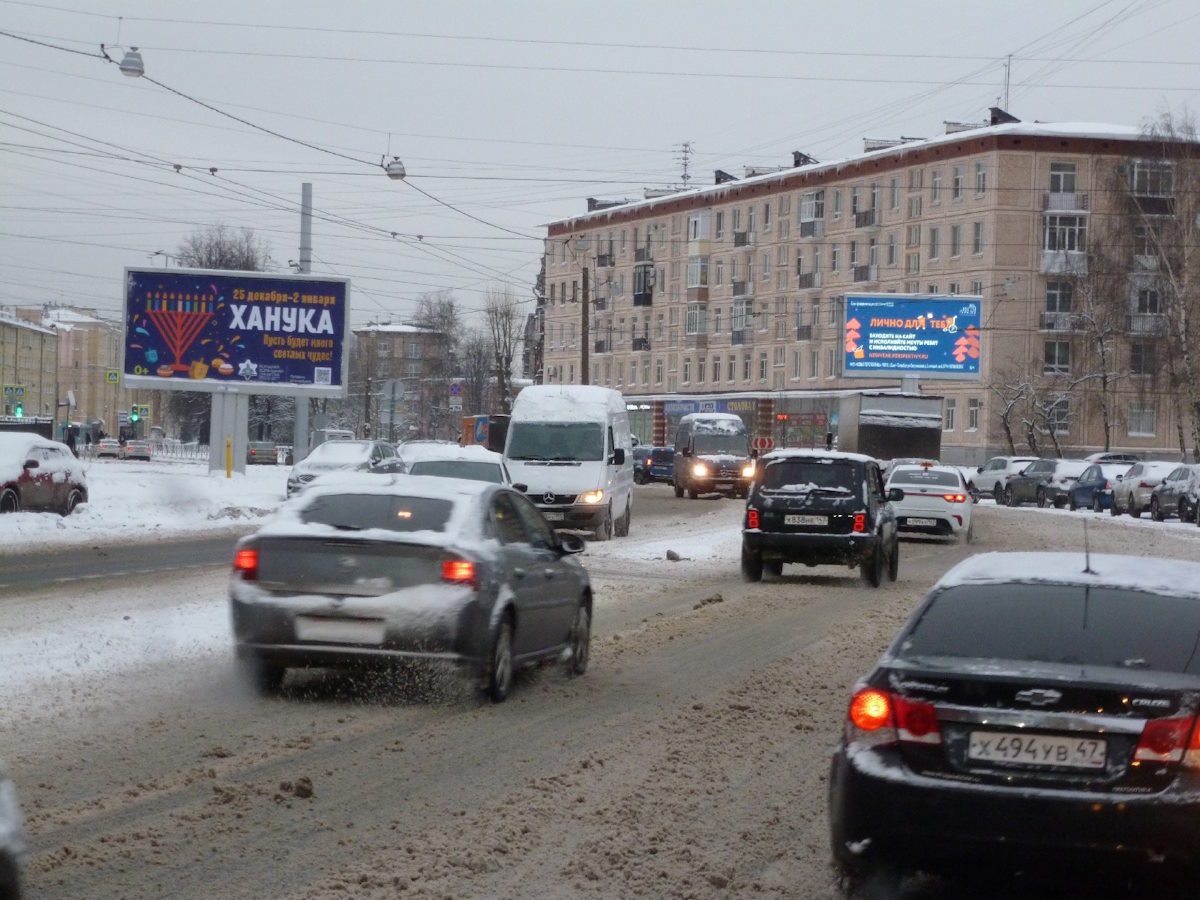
(806, 281)
(603, 346)
(866, 273)
(741, 335)
(804, 332)
(743, 288)
(866, 218)
(1069, 201)
(1154, 204)
(1061, 321)
(605, 260)
(642, 255)
(812, 228)
(1146, 323)
(644, 298)
(641, 344)
(643, 284)
(1064, 262)
(743, 238)
(696, 340)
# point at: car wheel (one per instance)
(1041, 499)
(581, 635)
(678, 489)
(1071, 504)
(72, 501)
(1113, 508)
(998, 492)
(894, 561)
(1010, 497)
(693, 493)
(1184, 512)
(774, 567)
(872, 567)
(1133, 509)
(1155, 510)
(752, 564)
(262, 676)
(622, 526)
(500, 663)
(9, 501)
(605, 531)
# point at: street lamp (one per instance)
(131, 63)
(395, 169)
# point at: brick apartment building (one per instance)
(731, 295)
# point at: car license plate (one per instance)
(805, 520)
(339, 631)
(553, 516)
(1037, 749)
(724, 485)
(922, 523)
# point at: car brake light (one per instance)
(955, 498)
(1147, 484)
(871, 710)
(1164, 740)
(860, 522)
(458, 571)
(752, 518)
(245, 563)
(916, 721)
(877, 718)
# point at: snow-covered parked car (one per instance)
(39, 475)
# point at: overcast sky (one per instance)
(507, 115)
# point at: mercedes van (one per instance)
(571, 447)
(712, 455)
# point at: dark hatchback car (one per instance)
(1037, 712)
(376, 570)
(1173, 496)
(39, 475)
(651, 464)
(1093, 488)
(820, 508)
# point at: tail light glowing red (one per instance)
(1168, 740)
(245, 563)
(883, 718)
(871, 710)
(860, 522)
(752, 518)
(458, 571)
(955, 498)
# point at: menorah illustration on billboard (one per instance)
(179, 322)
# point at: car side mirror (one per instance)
(687, 451)
(895, 495)
(979, 469)
(31, 464)
(523, 488)
(754, 454)
(569, 542)
(618, 457)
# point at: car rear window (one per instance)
(803, 475)
(662, 455)
(1072, 624)
(458, 468)
(924, 476)
(354, 512)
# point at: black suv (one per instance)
(820, 508)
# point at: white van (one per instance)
(571, 447)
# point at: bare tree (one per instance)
(501, 308)
(221, 247)
(475, 353)
(438, 312)
(1012, 389)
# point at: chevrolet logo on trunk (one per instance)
(1039, 696)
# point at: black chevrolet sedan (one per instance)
(369, 569)
(820, 508)
(1037, 711)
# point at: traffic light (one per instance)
(19, 411)
(133, 415)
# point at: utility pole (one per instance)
(584, 328)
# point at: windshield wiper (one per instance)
(341, 527)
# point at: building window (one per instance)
(764, 319)
(766, 266)
(1058, 358)
(658, 371)
(891, 249)
(832, 358)
(700, 370)
(916, 178)
(1141, 418)
(697, 272)
(1059, 296)
(955, 241)
(1065, 233)
(766, 217)
(837, 204)
(835, 257)
(894, 187)
(949, 411)
(740, 317)
(935, 186)
(717, 324)
(797, 364)
(646, 372)
(1062, 178)
(973, 414)
(687, 370)
(954, 289)
(1141, 358)
(1151, 178)
(696, 323)
(934, 248)
(762, 366)
(980, 178)
(720, 225)
(1058, 416)
(956, 183)
(814, 364)
(912, 236)
(1147, 302)
(977, 288)
(730, 365)
(745, 367)
(977, 238)
(835, 307)
(719, 272)
(812, 206)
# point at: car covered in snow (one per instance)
(935, 502)
(1131, 492)
(1037, 712)
(39, 475)
(378, 457)
(817, 507)
(452, 461)
(369, 570)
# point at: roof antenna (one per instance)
(1087, 556)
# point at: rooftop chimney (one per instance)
(1000, 117)
(802, 159)
(722, 177)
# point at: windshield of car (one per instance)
(458, 468)
(560, 441)
(809, 475)
(355, 512)
(720, 443)
(339, 451)
(1075, 624)
(930, 477)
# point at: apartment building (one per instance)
(28, 359)
(731, 295)
(397, 381)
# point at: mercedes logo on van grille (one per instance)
(1039, 696)
(548, 497)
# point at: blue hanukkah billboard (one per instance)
(236, 332)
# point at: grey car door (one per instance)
(521, 569)
(559, 580)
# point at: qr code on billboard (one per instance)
(322, 375)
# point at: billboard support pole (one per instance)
(300, 428)
(230, 421)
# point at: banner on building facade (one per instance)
(236, 332)
(897, 335)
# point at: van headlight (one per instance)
(699, 470)
(748, 470)
(592, 497)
